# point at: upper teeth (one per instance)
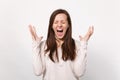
(59, 30)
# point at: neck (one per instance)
(59, 42)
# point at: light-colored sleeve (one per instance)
(38, 63)
(79, 64)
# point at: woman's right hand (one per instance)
(34, 34)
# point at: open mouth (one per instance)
(59, 30)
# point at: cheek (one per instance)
(53, 27)
(66, 28)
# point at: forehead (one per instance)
(61, 16)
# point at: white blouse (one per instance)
(62, 70)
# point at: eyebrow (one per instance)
(60, 20)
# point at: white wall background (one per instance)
(15, 40)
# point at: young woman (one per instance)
(59, 57)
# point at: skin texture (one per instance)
(60, 26)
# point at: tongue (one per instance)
(59, 33)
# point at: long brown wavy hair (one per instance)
(68, 47)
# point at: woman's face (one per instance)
(60, 25)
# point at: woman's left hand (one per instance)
(88, 34)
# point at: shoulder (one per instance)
(79, 44)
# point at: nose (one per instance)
(60, 24)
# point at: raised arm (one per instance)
(37, 61)
(79, 65)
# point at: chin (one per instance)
(60, 37)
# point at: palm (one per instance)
(33, 33)
(88, 34)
